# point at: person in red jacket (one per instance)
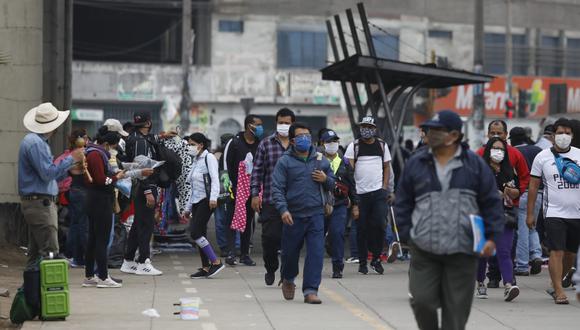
(498, 128)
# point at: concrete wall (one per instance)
(20, 82)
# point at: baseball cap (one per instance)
(549, 129)
(329, 136)
(368, 120)
(141, 118)
(115, 126)
(445, 119)
(517, 132)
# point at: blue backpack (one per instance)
(567, 168)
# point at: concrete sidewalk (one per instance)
(238, 299)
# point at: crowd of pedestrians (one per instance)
(309, 193)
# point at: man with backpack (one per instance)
(144, 192)
(370, 158)
(344, 195)
(269, 151)
(558, 169)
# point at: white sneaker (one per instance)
(147, 268)
(129, 267)
(108, 283)
(90, 282)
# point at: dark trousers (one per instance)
(200, 214)
(309, 230)
(371, 224)
(445, 281)
(336, 226)
(77, 233)
(141, 230)
(271, 236)
(99, 208)
(246, 236)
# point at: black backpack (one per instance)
(169, 172)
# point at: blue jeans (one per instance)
(311, 231)
(336, 229)
(528, 246)
(221, 227)
(352, 238)
(389, 235)
(77, 234)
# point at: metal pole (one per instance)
(353, 126)
(478, 101)
(509, 49)
(186, 58)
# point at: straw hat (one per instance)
(44, 118)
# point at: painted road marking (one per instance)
(208, 326)
(372, 320)
(179, 268)
(175, 262)
(190, 290)
(187, 282)
(182, 275)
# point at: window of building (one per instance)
(549, 57)
(572, 56)
(441, 34)
(494, 56)
(387, 46)
(302, 49)
(231, 26)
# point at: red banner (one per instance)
(534, 90)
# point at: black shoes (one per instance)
(377, 267)
(246, 260)
(231, 260)
(363, 269)
(536, 266)
(337, 270)
(201, 273)
(269, 278)
(493, 284)
(214, 269)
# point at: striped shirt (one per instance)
(269, 151)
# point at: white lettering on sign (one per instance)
(573, 100)
(493, 100)
(464, 97)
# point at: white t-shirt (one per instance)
(368, 171)
(561, 198)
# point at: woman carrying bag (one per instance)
(496, 156)
(204, 181)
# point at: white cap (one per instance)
(115, 126)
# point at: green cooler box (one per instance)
(54, 294)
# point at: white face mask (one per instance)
(331, 148)
(563, 141)
(282, 129)
(193, 151)
(497, 155)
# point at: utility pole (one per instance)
(478, 101)
(509, 49)
(432, 92)
(186, 57)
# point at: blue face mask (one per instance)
(303, 143)
(259, 132)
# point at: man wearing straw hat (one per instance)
(37, 176)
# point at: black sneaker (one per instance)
(201, 273)
(567, 280)
(269, 278)
(377, 267)
(511, 293)
(214, 269)
(536, 266)
(246, 260)
(231, 260)
(363, 269)
(337, 270)
(493, 284)
(522, 273)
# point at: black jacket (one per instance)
(345, 175)
(236, 152)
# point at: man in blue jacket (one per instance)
(440, 188)
(301, 178)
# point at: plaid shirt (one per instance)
(269, 151)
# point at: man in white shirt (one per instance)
(370, 158)
(561, 202)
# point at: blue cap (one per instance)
(328, 136)
(445, 119)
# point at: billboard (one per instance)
(534, 97)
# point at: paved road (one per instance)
(238, 299)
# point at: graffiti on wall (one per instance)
(132, 86)
(306, 87)
(199, 116)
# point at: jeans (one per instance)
(441, 281)
(389, 235)
(336, 227)
(77, 234)
(528, 245)
(504, 257)
(221, 226)
(371, 224)
(309, 230)
(352, 238)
